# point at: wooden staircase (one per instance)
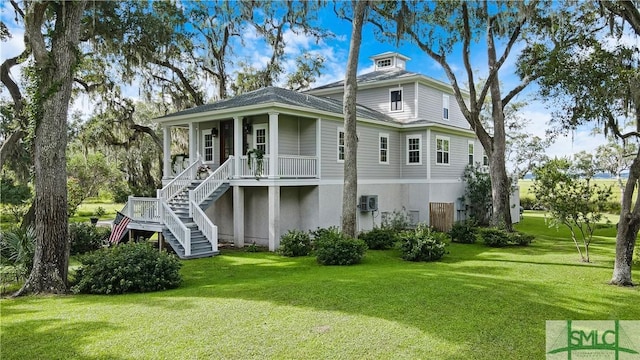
(179, 204)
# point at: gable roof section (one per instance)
(275, 95)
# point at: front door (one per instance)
(226, 140)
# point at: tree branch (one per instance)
(11, 85)
(197, 97)
(34, 19)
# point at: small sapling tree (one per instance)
(570, 201)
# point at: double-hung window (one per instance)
(383, 152)
(208, 146)
(442, 150)
(471, 146)
(445, 107)
(340, 144)
(396, 99)
(260, 137)
(414, 149)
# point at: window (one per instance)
(340, 144)
(471, 145)
(396, 100)
(442, 150)
(414, 149)
(485, 160)
(445, 107)
(383, 63)
(383, 156)
(208, 146)
(260, 137)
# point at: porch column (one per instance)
(273, 145)
(166, 151)
(318, 146)
(238, 216)
(193, 142)
(237, 145)
(274, 217)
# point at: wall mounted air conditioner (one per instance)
(368, 203)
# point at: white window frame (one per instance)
(264, 127)
(338, 145)
(380, 149)
(471, 149)
(391, 91)
(485, 159)
(446, 110)
(205, 133)
(448, 151)
(408, 138)
(384, 63)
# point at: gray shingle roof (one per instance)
(373, 77)
(285, 97)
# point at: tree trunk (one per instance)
(628, 227)
(54, 77)
(350, 190)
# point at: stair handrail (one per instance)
(221, 175)
(205, 225)
(181, 232)
(180, 182)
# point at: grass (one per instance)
(476, 303)
(526, 184)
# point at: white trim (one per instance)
(380, 136)
(388, 181)
(399, 88)
(340, 130)
(265, 127)
(446, 105)
(472, 153)
(416, 100)
(410, 137)
(204, 133)
(428, 154)
(448, 151)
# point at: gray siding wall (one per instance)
(430, 107)
(369, 166)
(307, 136)
(221, 214)
(256, 215)
(380, 99)
(458, 156)
(414, 171)
(288, 135)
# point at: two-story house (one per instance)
(413, 146)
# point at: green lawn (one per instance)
(525, 186)
(476, 303)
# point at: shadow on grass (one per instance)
(49, 339)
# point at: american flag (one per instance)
(119, 228)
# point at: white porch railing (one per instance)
(212, 182)
(143, 209)
(180, 182)
(249, 171)
(177, 228)
(205, 225)
(289, 166)
(297, 166)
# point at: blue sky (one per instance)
(335, 51)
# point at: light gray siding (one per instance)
(458, 156)
(430, 107)
(414, 171)
(379, 99)
(307, 136)
(369, 166)
(288, 135)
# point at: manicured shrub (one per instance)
(463, 232)
(379, 238)
(295, 243)
(127, 268)
(335, 248)
(422, 244)
(495, 237)
(84, 237)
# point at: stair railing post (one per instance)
(191, 201)
(130, 207)
(187, 243)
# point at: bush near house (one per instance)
(127, 268)
(379, 238)
(84, 237)
(295, 243)
(496, 237)
(423, 244)
(464, 232)
(335, 248)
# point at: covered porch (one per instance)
(265, 145)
